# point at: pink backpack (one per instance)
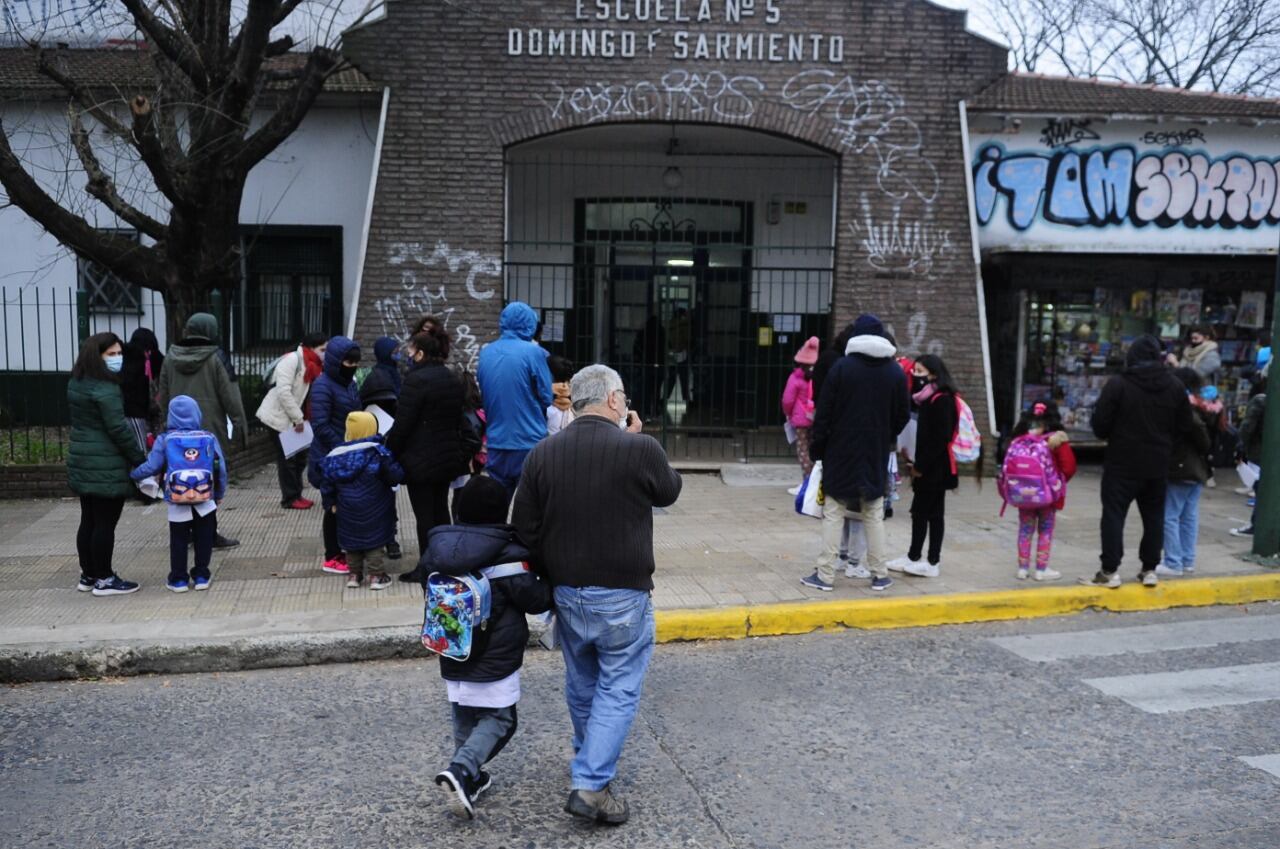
(1029, 478)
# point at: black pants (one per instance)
(928, 510)
(430, 502)
(202, 528)
(479, 734)
(329, 527)
(96, 537)
(289, 470)
(1117, 494)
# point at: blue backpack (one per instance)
(189, 461)
(458, 605)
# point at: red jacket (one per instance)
(1066, 460)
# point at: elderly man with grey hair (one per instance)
(585, 509)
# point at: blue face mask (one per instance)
(1209, 393)
(114, 362)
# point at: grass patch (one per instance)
(32, 446)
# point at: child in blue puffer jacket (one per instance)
(357, 479)
(194, 471)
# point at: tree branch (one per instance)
(177, 46)
(321, 64)
(125, 257)
(102, 187)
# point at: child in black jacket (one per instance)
(484, 688)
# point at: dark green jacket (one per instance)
(103, 448)
(1251, 427)
(196, 370)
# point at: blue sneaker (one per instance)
(816, 583)
(881, 583)
(178, 586)
(203, 583)
(114, 586)
(86, 584)
(1251, 502)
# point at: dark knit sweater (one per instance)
(585, 504)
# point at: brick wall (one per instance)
(888, 110)
(50, 481)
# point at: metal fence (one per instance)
(43, 328)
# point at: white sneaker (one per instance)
(898, 564)
(1168, 571)
(922, 569)
(795, 490)
(1189, 570)
(1048, 574)
(1022, 573)
(856, 570)
(1149, 578)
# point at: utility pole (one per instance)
(1266, 531)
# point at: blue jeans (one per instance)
(505, 465)
(1181, 523)
(607, 638)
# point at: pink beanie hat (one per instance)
(808, 354)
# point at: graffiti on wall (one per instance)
(901, 243)
(1066, 132)
(712, 93)
(868, 117)
(1114, 185)
(416, 297)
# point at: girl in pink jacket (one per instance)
(797, 401)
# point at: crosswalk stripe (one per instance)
(1170, 692)
(1142, 639)
(1267, 763)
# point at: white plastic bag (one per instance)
(807, 499)
(1248, 473)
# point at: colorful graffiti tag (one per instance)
(1114, 185)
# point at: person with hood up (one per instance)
(193, 494)
(862, 409)
(286, 405)
(139, 382)
(483, 689)
(797, 402)
(1140, 413)
(101, 453)
(333, 396)
(516, 384)
(357, 477)
(383, 382)
(195, 368)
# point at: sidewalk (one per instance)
(733, 539)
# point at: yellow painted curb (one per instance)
(733, 623)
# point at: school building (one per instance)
(688, 189)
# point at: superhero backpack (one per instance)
(1029, 478)
(459, 605)
(189, 461)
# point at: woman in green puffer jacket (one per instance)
(103, 451)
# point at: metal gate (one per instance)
(676, 293)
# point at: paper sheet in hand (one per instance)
(384, 418)
(291, 442)
(150, 487)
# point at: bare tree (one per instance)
(1230, 46)
(218, 90)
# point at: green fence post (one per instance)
(218, 307)
(1266, 533)
(82, 315)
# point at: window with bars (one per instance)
(107, 292)
(293, 283)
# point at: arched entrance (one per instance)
(695, 259)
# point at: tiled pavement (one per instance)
(721, 544)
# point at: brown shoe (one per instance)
(598, 805)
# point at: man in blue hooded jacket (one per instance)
(516, 384)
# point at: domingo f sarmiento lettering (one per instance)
(637, 25)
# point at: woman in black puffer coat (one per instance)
(427, 437)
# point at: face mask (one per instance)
(115, 362)
(347, 372)
(918, 383)
(1209, 393)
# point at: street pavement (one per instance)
(1099, 731)
(733, 538)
